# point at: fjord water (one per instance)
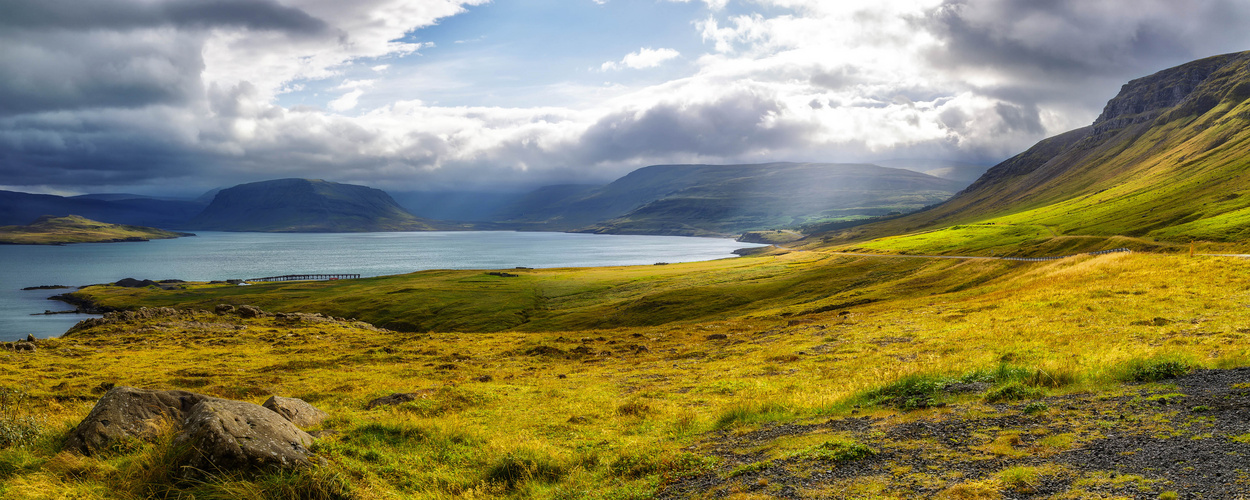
(222, 256)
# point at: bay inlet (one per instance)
(221, 256)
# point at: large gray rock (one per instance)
(235, 435)
(296, 410)
(125, 413)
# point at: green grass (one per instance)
(75, 229)
(794, 284)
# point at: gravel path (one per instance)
(1190, 436)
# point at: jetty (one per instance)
(308, 277)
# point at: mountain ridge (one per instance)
(1165, 160)
(305, 205)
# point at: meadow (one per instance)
(638, 382)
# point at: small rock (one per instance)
(393, 399)
(578, 420)
(23, 345)
(223, 309)
(296, 410)
(484, 378)
(250, 312)
(544, 350)
(717, 336)
(30, 337)
(562, 376)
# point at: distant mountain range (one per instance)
(708, 200)
(690, 200)
(23, 208)
(1168, 159)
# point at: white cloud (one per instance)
(644, 58)
(355, 84)
(347, 101)
(380, 68)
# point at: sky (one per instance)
(182, 96)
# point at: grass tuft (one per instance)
(1021, 479)
(18, 426)
(908, 393)
(752, 413)
(1155, 369)
(840, 451)
(524, 465)
(1013, 391)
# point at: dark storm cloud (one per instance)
(1057, 39)
(729, 126)
(128, 14)
(60, 70)
(73, 54)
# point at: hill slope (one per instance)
(21, 208)
(1166, 160)
(50, 230)
(730, 199)
(305, 205)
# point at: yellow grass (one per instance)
(613, 420)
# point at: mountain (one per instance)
(958, 171)
(706, 200)
(1168, 159)
(21, 208)
(566, 206)
(49, 230)
(305, 205)
(468, 206)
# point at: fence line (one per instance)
(1040, 259)
(308, 277)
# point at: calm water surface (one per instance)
(221, 256)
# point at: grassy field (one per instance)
(626, 379)
(782, 283)
(75, 229)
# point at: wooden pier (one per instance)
(309, 277)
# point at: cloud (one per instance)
(346, 101)
(265, 15)
(155, 92)
(644, 58)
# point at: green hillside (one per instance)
(1165, 162)
(49, 230)
(305, 205)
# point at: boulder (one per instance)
(127, 413)
(23, 345)
(223, 309)
(251, 312)
(296, 410)
(222, 434)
